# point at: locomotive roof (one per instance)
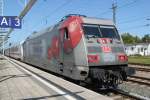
(101, 21)
(36, 34)
(87, 20)
(90, 20)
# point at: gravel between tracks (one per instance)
(135, 88)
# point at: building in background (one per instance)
(142, 49)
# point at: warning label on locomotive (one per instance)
(10, 22)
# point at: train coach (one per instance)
(15, 52)
(81, 48)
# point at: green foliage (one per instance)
(137, 39)
(130, 39)
(146, 38)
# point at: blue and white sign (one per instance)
(10, 22)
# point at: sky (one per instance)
(131, 15)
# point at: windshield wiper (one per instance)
(116, 40)
(92, 36)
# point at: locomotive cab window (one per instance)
(91, 31)
(98, 31)
(109, 32)
(66, 34)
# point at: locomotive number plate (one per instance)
(109, 58)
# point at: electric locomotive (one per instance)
(81, 48)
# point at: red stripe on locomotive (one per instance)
(73, 24)
(53, 50)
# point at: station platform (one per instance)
(19, 81)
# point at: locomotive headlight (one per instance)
(122, 58)
(93, 58)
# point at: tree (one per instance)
(146, 38)
(137, 39)
(128, 38)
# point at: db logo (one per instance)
(106, 49)
(73, 25)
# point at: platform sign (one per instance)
(10, 22)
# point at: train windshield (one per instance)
(97, 31)
(91, 31)
(109, 32)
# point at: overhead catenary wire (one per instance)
(128, 4)
(51, 13)
(66, 3)
(135, 27)
(119, 7)
(133, 20)
(116, 7)
(22, 14)
(54, 11)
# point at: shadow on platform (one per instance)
(6, 77)
(52, 96)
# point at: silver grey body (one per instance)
(35, 52)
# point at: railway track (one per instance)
(117, 94)
(141, 67)
(121, 95)
(139, 80)
(139, 64)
